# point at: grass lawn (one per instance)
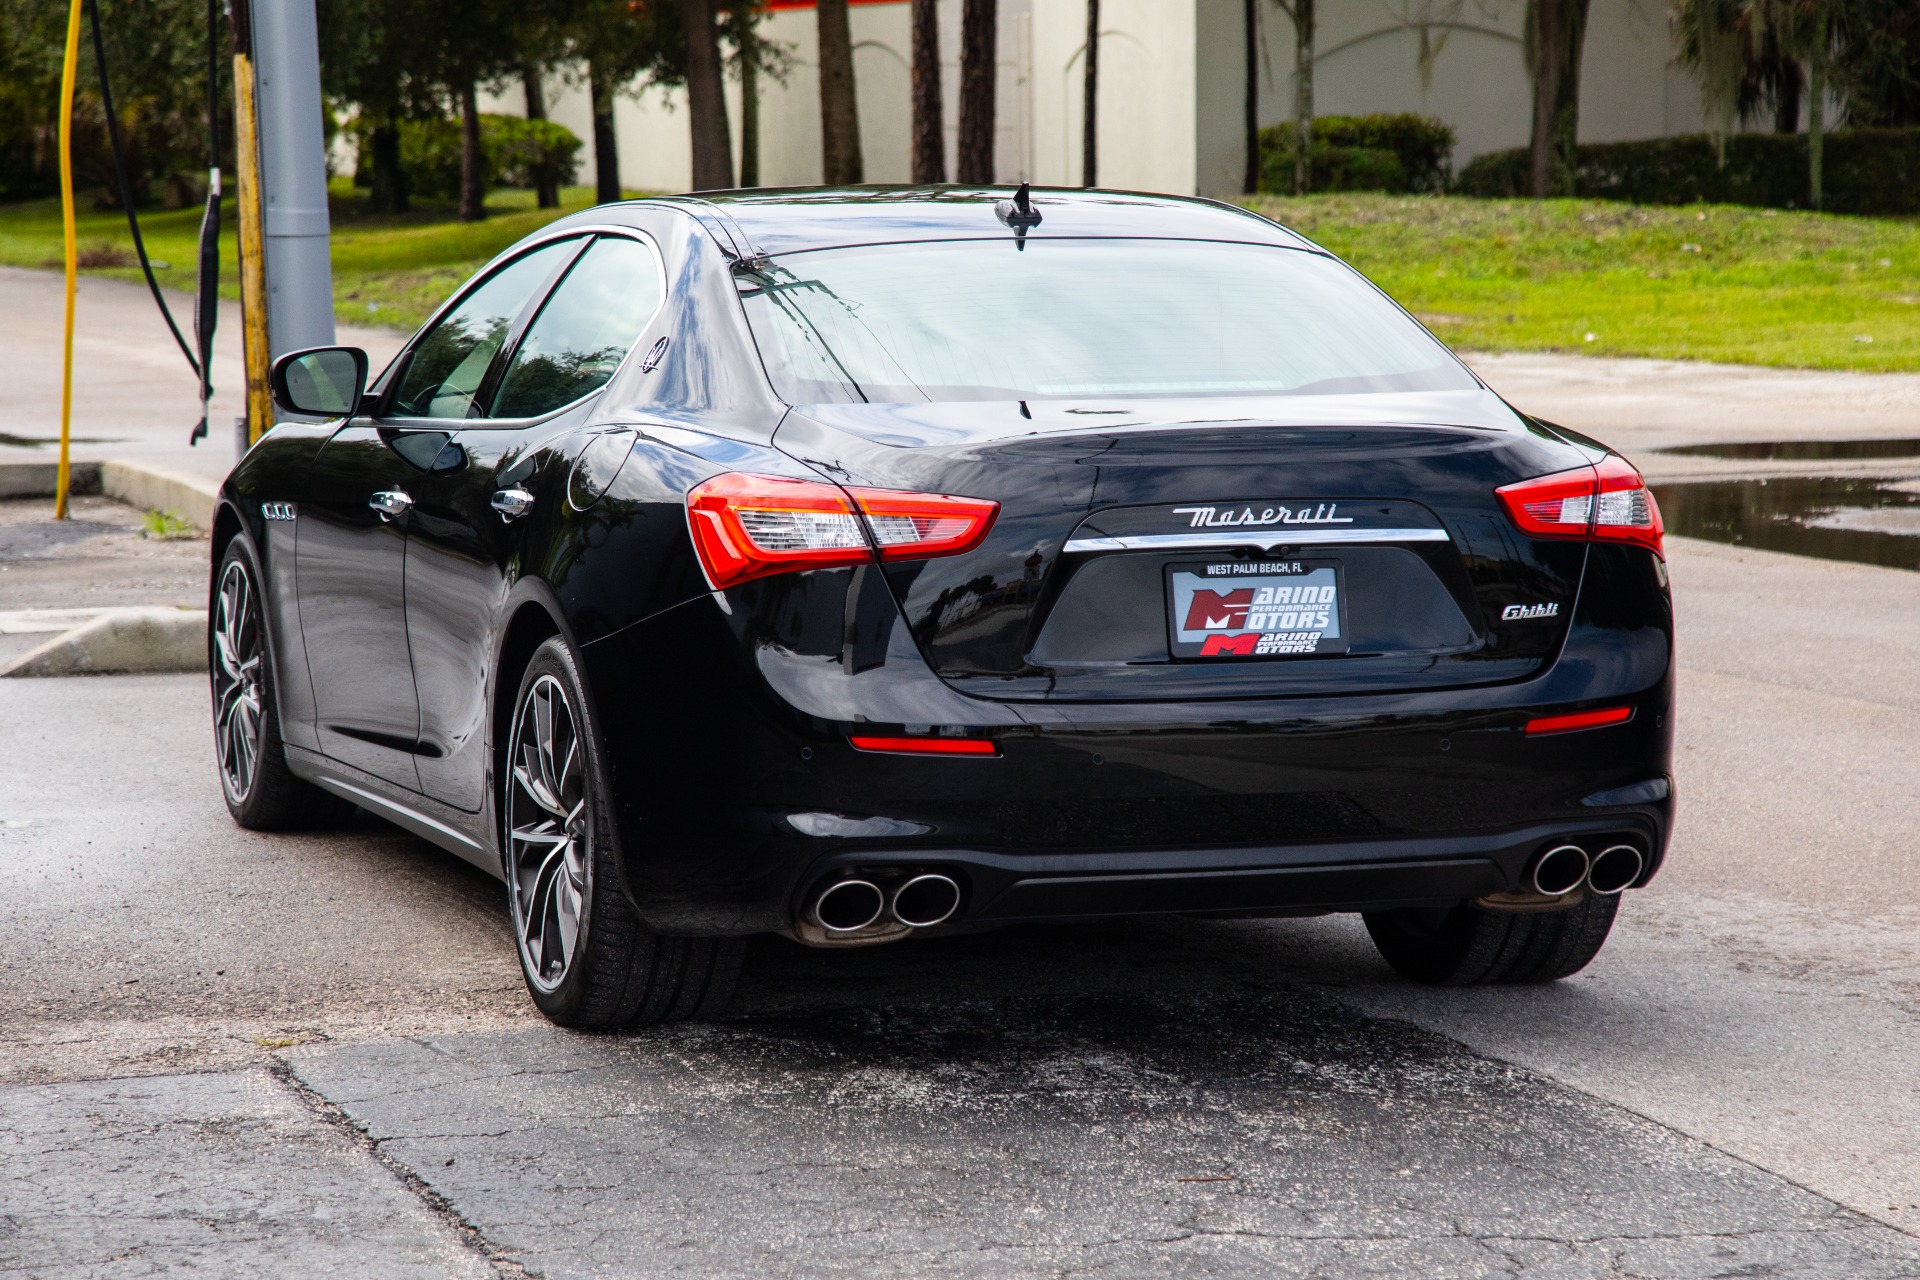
(1701, 282)
(1708, 282)
(388, 271)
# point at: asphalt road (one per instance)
(311, 1054)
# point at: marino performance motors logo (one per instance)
(1266, 609)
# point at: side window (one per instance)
(584, 330)
(448, 364)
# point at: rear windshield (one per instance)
(987, 320)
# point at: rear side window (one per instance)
(992, 320)
(584, 329)
(449, 362)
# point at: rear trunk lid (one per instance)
(1142, 543)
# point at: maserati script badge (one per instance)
(1218, 518)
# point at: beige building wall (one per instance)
(1172, 87)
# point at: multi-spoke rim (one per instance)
(549, 832)
(237, 696)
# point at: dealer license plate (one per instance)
(1256, 609)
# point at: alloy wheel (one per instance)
(549, 833)
(237, 695)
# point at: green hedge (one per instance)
(1865, 171)
(514, 152)
(1408, 154)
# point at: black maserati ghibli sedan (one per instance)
(857, 564)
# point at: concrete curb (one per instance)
(41, 479)
(138, 484)
(121, 641)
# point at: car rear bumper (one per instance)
(1361, 875)
(738, 793)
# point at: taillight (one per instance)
(748, 526)
(909, 526)
(1626, 511)
(1608, 502)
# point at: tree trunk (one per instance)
(606, 149)
(706, 100)
(1816, 115)
(1303, 36)
(839, 108)
(1559, 30)
(1252, 122)
(979, 45)
(1090, 101)
(749, 103)
(1786, 100)
(546, 186)
(389, 191)
(473, 177)
(929, 124)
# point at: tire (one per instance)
(1468, 946)
(261, 792)
(588, 960)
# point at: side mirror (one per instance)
(324, 382)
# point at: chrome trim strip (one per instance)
(1265, 539)
(418, 823)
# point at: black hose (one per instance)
(126, 189)
(206, 302)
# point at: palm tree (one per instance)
(1749, 52)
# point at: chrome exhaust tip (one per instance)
(847, 905)
(926, 900)
(1614, 869)
(1560, 870)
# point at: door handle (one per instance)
(390, 503)
(512, 503)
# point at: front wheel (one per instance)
(588, 960)
(1469, 946)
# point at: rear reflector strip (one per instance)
(1579, 720)
(927, 746)
(1265, 539)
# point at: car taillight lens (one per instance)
(1609, 502)
(749, 526)
(1626, 511)
(909, 526)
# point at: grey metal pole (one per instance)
(293, 175)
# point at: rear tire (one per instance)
(588, 959)
(1469, 946)
(261, 792)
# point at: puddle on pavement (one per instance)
(1801, 450)
(1869, 520)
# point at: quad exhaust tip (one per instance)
(1561, 870)
(1614, 869)
(926, 900)
(849, 905)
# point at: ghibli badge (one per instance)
(1521, 612)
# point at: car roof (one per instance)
(774, 221)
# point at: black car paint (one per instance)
(726, 714)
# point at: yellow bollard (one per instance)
(68, 69)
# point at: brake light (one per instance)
(749, 526)
(909, 526)
(1626, 511)
(1608, 502)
